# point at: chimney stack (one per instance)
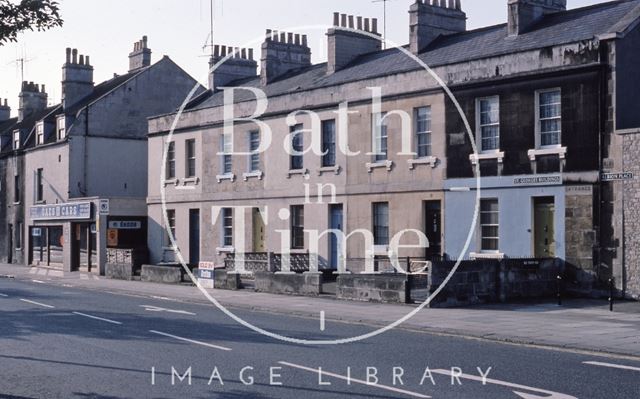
(5, 111)
(524, 13)
(77, 78)
(281, 53)
(32, 99)
(432, 18)
(349, 39)
(141, 55)
(239, 65)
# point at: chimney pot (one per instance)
(68, 55)
(145, 40)
(268, 35)
(374, 27)
(336, 19)
(86, 61)
(343, 20)
(74, 56)
(244, 54)
(251, 54)
(81, 59)
(359, 25)
(283, 37)
(351, 24)
(304, 40)
(298, 40)
(432, 19)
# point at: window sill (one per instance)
(497, 155)
(431, 161)
(253, 175)
(225, 250)
(171, 182)
(191, 181)
(329, 169)
(486, 255)
(560, 151)
(298, 172)
(298, 251)
(229, 176)
(379, 165)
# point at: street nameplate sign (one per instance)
(73, 211)
(616, 176)
(125, 225)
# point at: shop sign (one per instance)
(112, 237)
(125, 225)
(538, 180)
(72, 211)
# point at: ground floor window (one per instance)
(489, 225)
(47, 245)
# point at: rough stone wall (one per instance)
(580, 234)
(632, 216)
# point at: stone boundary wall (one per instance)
(305, 284)
(119, 271)
(226, 281)
(389, 288)
(161, 274)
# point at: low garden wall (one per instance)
(306, 284)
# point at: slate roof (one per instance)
(27, 124)
(570, 26)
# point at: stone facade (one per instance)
(632, 216)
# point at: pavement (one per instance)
(80, 336)
(578, 325)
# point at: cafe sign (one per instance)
(72, 211)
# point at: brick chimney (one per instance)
(77, 78)
(141, 55)
(239, 65)
(524, 13)
(432, 18)
(33, 98)
(346, 45)
(5, 111)
(281, 53)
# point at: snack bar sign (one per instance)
(75, 211)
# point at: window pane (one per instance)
(329, 143)
(381, 223)
(489, 225)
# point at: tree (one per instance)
(17, 17)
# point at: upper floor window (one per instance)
(39, 185)
(226, 148)
(329, 143)
(40, 133)
(380, 137)
(190, 152)
(423, 132)
(488, 124)
(381, 223)
(16, 140)
(16, 189)
(171, 161)
(297, 145)
(489, 225)
(62, 132)
(254, 145)
(297, 227)
(227, 227)
(549, 118)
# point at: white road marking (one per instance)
(4, 295)
(158, 309)
(38, 281)
(164, 298)
(190, 340)
(97, 318)
(354, 380)
(322, 320)
(613, 366)
(37, 303)
(523, 395)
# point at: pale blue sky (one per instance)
(106, 31)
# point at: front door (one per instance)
(335, 242)
(194, 236)
(257, 222)
(10, 245)
(544, 243)
(433, 228)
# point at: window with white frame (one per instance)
(380, 137)
(62, 132)
(40, 133)
(549, 118)
(254, 145)
(16, 140)
(226, 148)
(488, 124)
(227, 227)
(423, 132)
(190, 155)
(489, 225)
